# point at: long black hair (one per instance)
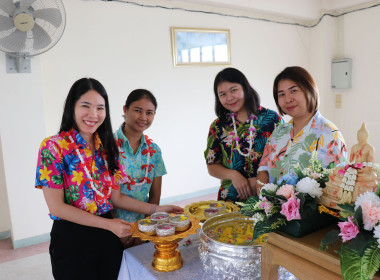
(138, 94)
(79, 88)
(251, 97)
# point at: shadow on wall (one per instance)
(5, 224)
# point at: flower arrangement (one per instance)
(359, 232)
(293, 197)
(315, 170)
(277, 205)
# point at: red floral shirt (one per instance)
(60, 167)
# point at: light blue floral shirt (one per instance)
(282, 153)
(132, 163)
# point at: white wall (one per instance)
(5, 222)
(127, 47)
(22, 126)
(359, 42)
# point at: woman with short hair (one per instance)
(291, 144)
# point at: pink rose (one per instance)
(371, 215)
(348, 230)
(286, 190)
(266, 205)
(291, 209)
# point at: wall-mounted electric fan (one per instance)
(29, 28)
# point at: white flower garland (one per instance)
(250, 137)
(86, 169)
(349, 178)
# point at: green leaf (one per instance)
(249, 210)
(272, 196)
(299, 173)
(332, 237)
(225, 158)
(371, 260)
(361, 242)
(57, 179)
(351, 265)
(252, 200)
(378, 189)
(359, 216)
(72, 193)
(331, 165)
(46, 157)
(261, 228)
(308, 141)
(96, 176)
(348, 209)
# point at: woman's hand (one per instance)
(169, 209)
(120, 227)
(241, 185)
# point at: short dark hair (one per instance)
(304, 81)
(251, 97)
(138, 94)
(79, 88)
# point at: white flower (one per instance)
(223, 193)
(269, 188)
(367, 196)
(258, 217)
(376, 234)
(309, 186)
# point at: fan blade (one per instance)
(14, 42)
(7, 6)
(6, 23)
(25, 4)
(51, 15)
(41, 38)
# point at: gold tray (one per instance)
(177, 236)
(196, 209)
(166, 257)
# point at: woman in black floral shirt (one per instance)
(237, 138)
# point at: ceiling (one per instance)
(295, 9)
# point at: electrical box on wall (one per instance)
(341, 73)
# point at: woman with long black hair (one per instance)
(237, 138)
(79, 172)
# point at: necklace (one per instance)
(148, 167)
(74, 146)
(250, 138)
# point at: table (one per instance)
(137, 263)
(300, 256)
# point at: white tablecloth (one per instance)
(137, 263)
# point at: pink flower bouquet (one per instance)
(277, 206)
(359, 234)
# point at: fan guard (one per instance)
(30, 27)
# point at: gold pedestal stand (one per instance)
(166, 257)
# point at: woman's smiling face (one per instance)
(291, 99)
(140, 114)
(231, 96)
(90, 112)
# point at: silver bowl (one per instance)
(227, 261)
